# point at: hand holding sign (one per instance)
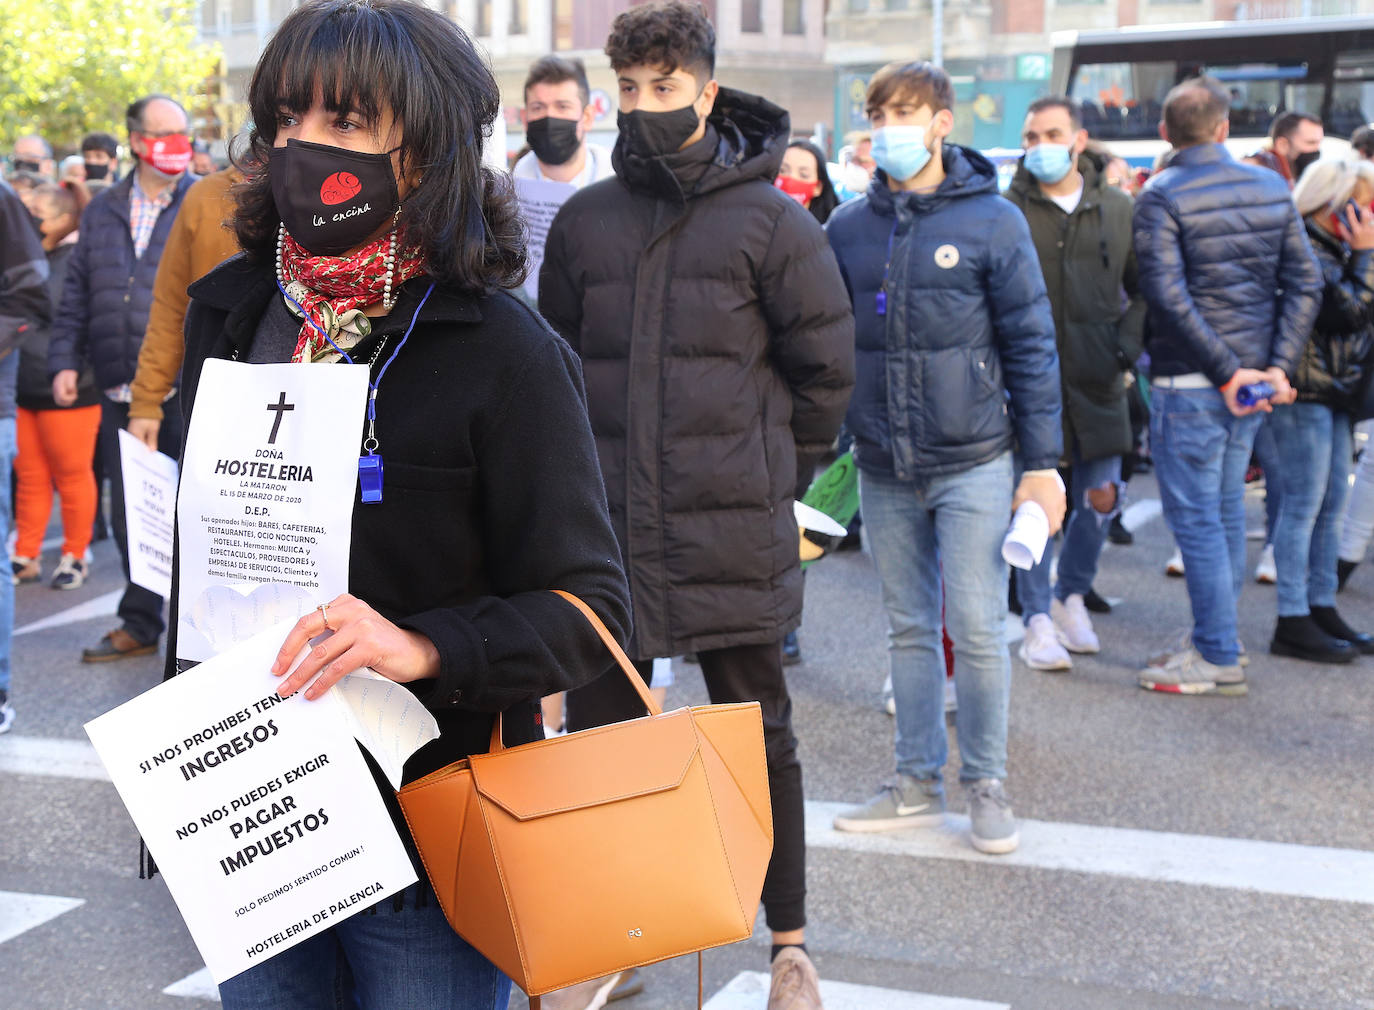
(362, 638)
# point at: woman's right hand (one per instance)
(145, 429)
(64, 387)
(1359, 228)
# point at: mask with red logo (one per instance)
(332, 199)
(169, 155)
(796, 188)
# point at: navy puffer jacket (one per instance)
(1225, 267)
(963, 363)
(108, 291)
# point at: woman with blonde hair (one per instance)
(1334, 197)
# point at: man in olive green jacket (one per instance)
(1082, 232)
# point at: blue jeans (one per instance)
(7, 454)
(916, 529)
(1269, 455)
(1201, 453)
(1084, 535)
(390, 960)
(1314, 443)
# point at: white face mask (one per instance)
(854, 178)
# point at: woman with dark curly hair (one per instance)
(372, 233)
(804, 177)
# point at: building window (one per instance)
(484, 18)
(751, 16)
(242, 12)
(519, 18)
(793, 17)
(207, 15)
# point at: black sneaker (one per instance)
(1096, 603)
(71, 573)
(1117, 533)
(1333, 624)
(1343, 571)
(6, 712)
(791, 651)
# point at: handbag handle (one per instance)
(626, 667)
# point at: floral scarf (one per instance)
(335, 289)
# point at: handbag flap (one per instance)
(590, 768)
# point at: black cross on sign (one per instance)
(281, 407)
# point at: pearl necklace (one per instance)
(297, 290)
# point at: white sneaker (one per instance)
(1074, 626)
(1174, 566)
(889, 699)
(1040, 648)
(1265, 572)
(951, 699)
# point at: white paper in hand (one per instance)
(150, 495)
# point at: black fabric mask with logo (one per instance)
(553, 141)
(652, 134)
(96, 172)
(1302, 161)
(24, 165)
(332, 199)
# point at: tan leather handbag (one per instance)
(571, 858)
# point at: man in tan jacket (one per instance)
(200, 240)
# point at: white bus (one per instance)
(1321, 65)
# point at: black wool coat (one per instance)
(1099, 315)
(717, 342)
(492, 498)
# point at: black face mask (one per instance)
(651, 134)
(95, 172)
(329, 198)
(24, 165)
(553, 141)
(1302, 161)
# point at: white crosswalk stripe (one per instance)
(197, 985)
(31, 755)
(20, 912)
(749, 991)
(101, 606)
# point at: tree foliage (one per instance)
(68, 67)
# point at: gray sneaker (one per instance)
(989, 810)
(1186, 672)
(902, 802)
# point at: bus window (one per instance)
(1260, 90)
(1122, 101)
(1352, 92)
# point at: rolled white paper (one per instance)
(1025, 541)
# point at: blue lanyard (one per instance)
(881, 299)
(369, 466)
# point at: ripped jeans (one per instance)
(1084, 534)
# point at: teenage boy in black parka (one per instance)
(717, 343)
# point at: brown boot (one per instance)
(118, 644)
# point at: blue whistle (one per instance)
(370, 478)
(1248, 396)
(882, 303)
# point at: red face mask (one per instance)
(169, 155)
(795, 188)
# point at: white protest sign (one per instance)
(540, 200)
(260, 812)
(269, 478)
(150, 495)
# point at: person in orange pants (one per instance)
(56, 444)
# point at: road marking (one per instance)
(101, 606)
(749, 991)
(1302, 871)
(36, 755)
(1137, 514)
(197, 985)
(20, 912)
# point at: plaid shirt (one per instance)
(143, 213)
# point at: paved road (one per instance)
(1179, 854)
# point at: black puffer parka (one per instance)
(1335, 364)
(717, 343)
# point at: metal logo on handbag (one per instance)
(513, 838)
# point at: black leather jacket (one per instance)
(1335, 363)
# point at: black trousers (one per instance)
(140, 610)
(740, 673)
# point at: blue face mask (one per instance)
(1049, 162)
(900, 151)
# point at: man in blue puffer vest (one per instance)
(1232, 288)
(956, 365)
(102, 318)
